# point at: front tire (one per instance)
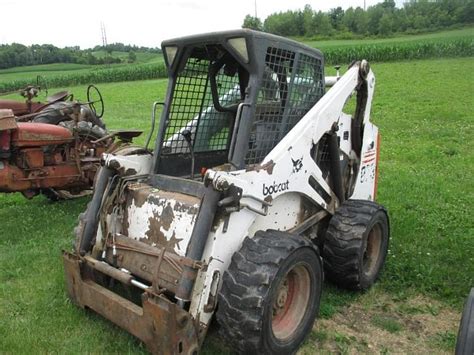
(270, 294)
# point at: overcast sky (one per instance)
(140, 22)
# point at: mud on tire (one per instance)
(356, 244)
(270, 294)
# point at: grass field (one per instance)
(424, 110)
(54, 70)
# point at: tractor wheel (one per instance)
(270, 294)
(356, 244)
(465, 341)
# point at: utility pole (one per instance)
(364, 5)
(104, 44)
(255, 8)
(104, 35)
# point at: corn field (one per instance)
(94, 76)
(400, 51)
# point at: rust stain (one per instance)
(139, 198)
(181, 207)
(125, 220)
(167, 216)
(174, 242)
(268, 167)
(268, 199)
(155, 235)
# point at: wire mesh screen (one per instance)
(192, 109)
(307, 89)
(288, 91)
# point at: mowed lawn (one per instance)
(425, 113)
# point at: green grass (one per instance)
(444, 35)
(424, 111)
(389, 324)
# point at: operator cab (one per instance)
(232, 96)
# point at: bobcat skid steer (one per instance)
(257, 180)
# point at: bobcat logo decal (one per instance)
(297, 164)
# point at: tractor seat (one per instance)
(39, 134)
(57, 96)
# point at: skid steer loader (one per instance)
(257, 180)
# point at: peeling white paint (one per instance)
(179, 230)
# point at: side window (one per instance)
(209, 117)
(291, 85)
(271, 103)
(307, 88)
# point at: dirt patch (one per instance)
(377, 323)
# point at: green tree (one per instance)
(385, 25)
(253, 23)
(336, 15)
(323, 24)
(132, 57)
(308, 23)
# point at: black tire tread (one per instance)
(343, 242)
(247, 282)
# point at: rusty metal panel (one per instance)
(14, 179)
(157, 265)
(7, 120)
(34, 157)
(34, 134)
(158, 217)
(164, 327)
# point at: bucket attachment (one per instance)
(163, 326)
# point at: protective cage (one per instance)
(233, 110)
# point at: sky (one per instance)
(140, 22)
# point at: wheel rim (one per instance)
(372, 249)
(291, 302)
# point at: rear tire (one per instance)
(270, 294)
(465, 341)
(356, 244)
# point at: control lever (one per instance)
(187, 137)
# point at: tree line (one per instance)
(382, 19)
(15, 54)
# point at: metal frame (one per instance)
(258, 44)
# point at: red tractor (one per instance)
(54, 148)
